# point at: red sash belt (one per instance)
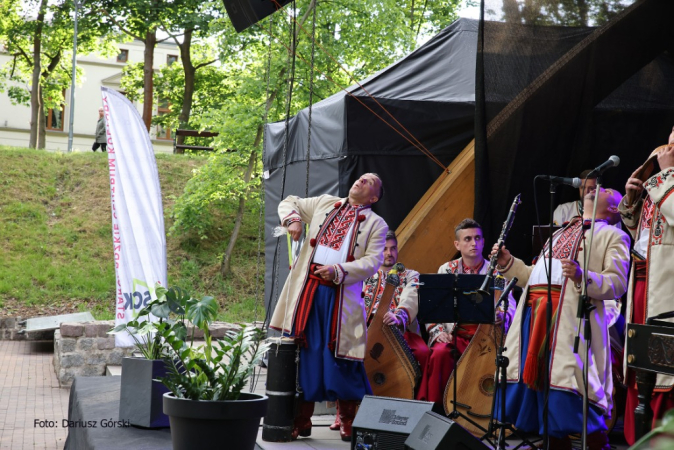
(537, 299)
(640, 269)
(304, 307)
(466, 330)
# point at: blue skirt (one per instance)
(524, 406)
(322, 376)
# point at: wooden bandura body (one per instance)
(475, 371)
(389, 363)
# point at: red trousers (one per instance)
(661, 402)
(439, 367)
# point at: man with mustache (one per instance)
(606, 274)
(321, 304)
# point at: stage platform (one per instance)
(94, 400)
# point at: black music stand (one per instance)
(448, 297)
(455, 298)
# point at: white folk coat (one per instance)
(660, 275)
(607, 280)
(367, 248)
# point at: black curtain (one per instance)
(560, 87)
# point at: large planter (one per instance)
(215, 424)
(140, 399)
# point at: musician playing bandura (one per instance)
(444, 337)
(650, 220)
(321, 303)
(404, 307)
(607, 280)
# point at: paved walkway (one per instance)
(29, 391)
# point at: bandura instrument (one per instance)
(475, 372)
(645, 171)
(389, 363)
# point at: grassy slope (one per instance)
(56, 239)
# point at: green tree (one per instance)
(140, 20)
(38, 35)
(360, 37)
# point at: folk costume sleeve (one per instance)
(517, 268)
(294, 209)
(611, 282)
(408, 306)
(660, 188)
(630, 215)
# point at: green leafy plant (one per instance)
(214, 371)
(169, 309)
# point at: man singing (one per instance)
(321, 304)
(606, 275)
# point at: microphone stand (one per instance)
(584, 309)
(548, 322)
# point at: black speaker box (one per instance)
(436, 432)
(244, 13)
(383, 423)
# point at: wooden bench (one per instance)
(192, 133)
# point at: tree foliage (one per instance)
(353, 40)
(46, 29)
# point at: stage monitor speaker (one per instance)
(244, 13)
(383, 423)
(436, 432)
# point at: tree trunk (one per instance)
(227, 258)
(188, 68)
(148, 82)
(42, 125)
(36, 109)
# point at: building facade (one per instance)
(98, 71)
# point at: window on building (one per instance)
(170, 59)
(163, 132)
(54, 119)
(123, 56)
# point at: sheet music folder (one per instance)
(436, 299)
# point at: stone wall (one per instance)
(85, 349)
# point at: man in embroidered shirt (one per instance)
(650, 220)
(606, 280)
(444, 337)
(321, 304)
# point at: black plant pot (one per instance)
(215, 424)
(140, 399)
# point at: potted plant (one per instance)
(141, 394)
(206, 404)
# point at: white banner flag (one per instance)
(138, 236)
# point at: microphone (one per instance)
(613, 161)
(574, 182)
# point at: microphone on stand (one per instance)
(613, 161)
(574, 182)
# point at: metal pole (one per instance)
(72, 85)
